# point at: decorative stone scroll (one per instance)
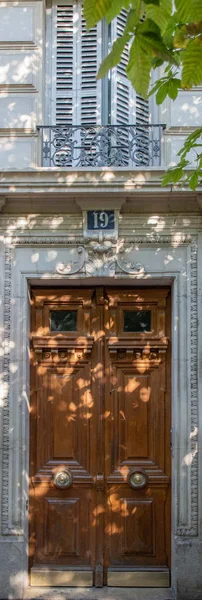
(100, 260)
(127, 262)
(74, 262)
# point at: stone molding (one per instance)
(6, 407)
(87, 263)
(194, 391)
(107, 181)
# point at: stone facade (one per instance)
(43, 238)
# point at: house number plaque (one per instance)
(100, 220)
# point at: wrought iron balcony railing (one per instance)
(102, 145)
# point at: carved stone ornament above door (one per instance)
(99, 259)
(74, 262)
(127, 261)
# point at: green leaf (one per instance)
(192, 137)
(116, 7)
(162, 93)
(155, 2)
(190, 143)
(181, 38)
(160, 14)
(153, 41)
(192, 63)
(157, 85)
(183, 163)
(167, 178)
(157, 62)
(139, 66)
(189, 10)
(113, 58)
(170, 30)
(193, 180)
(173, 86)
(183, 9)
(148, 26)
(177, 174)
(184, 33)
(133, 19)
(195, 10)
(94, 11)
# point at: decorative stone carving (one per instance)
(75, 262)
(127, 262)
(100, 260)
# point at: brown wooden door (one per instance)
(100, 426)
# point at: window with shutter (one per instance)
(77, 58)
(78, 99)
(78, 95)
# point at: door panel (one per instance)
(62, 526)
(136, 433)
(63, 402)
(100, 423)
(63, 440)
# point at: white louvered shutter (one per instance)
(122, 93)
(142, 121)
(78, 56)
(89, 88)
(65, 59)
(128, 108)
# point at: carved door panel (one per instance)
(137, 525)
(99, 430)
(65, 353)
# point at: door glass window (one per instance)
(63, 320)
(137, 321)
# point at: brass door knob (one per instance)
(137, 479)
(62, 479)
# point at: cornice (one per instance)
(103, 180)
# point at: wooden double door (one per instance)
(100, 437)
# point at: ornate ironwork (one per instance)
(101, 145)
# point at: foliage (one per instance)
(180, 173)
(165, 34)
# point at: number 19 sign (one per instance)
(100, 219)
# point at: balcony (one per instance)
(133, 146)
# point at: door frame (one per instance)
(130, 284)
(18, 279)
